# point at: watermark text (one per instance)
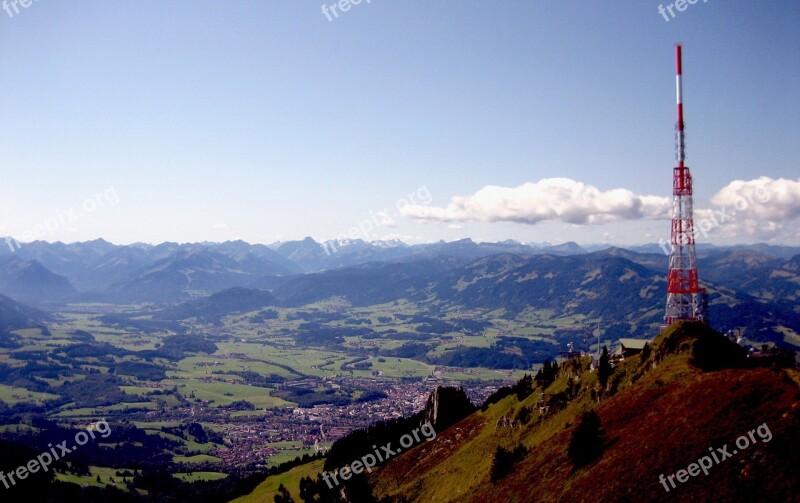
(45, 459)
(369, 461)
(717, 456)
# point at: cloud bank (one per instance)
(762, 208)
(764, 198)
(550, 199)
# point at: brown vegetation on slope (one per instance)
(663, 418)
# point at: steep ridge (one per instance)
(659, 413)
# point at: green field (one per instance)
(202, 366)
(13, 396)
(287, 444)
(200, 476)
(107, 410)
(306, 361)
(221, 393)
(156, 425)
(190, 446)
(287, 455)
(199, 458)
(108, 477)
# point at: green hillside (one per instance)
(266, 491)
(659, 415)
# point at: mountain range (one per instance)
(42, 272)
(623, 288)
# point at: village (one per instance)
(252, 439)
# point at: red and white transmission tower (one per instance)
(685, 299)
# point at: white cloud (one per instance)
(764, 198)
(548, 199)
(763, 208)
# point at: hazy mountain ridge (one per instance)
(364, 272)
(30, 281)
(372, 283)
(751, 272)
(625, 296)
(14, 315)
(217, 305)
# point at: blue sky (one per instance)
(265, 121)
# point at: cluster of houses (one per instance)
(626, 349)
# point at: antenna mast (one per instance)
(685, 299)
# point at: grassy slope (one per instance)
(266, 491)
(662, 423)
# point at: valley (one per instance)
(215, 386)
(260, 397)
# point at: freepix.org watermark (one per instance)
(342, 5)
(62, 218)
(717, 456)
(380, 219)
(677, 5)
(368, 461)
(12, 7)
(722, 216)
(45, 459)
